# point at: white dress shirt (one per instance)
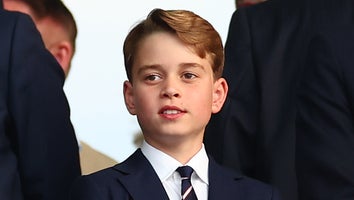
(165, 166)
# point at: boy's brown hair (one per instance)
(190, 28)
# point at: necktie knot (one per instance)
(185, 171)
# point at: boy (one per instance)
(174, 62)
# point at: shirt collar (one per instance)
(199, 162)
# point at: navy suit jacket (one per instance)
(264, 57)
(39, 156)
(325, 119)
(136, 179)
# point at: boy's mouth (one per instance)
(171, 110)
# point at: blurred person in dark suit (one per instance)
(58, 29)
(55, 23)
(264, 57)
(325, 119)
(38, 148)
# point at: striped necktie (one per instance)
(187, 190)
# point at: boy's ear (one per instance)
(128, 97)
(219, 94)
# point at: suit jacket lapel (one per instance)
(223, 184)
(140, 179)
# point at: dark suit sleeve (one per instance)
(41, 132)
(325, 124)
(229, 136)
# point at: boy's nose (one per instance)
(170, 91)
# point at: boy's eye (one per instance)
(189, 76)
(152, 77)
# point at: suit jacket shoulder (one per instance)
(227, 184)
(134, 178)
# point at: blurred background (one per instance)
(94, 85)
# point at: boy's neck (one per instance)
(181, 151)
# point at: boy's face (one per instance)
(173, 92)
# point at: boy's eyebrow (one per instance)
(194, 65)
(146, 67)
(157, 66)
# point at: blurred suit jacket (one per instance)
(325, 119)
(264, 56)
(39, 155)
